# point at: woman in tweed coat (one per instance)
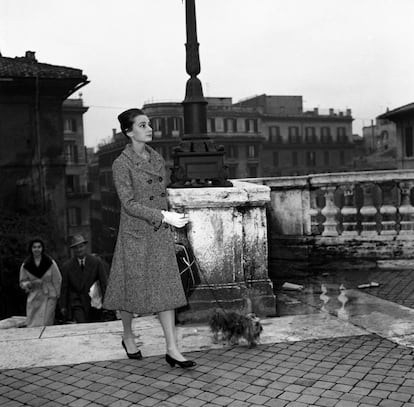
(144, 275)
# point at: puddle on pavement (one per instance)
(322, 292)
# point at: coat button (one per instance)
(151, 198)
(160, 179)
(149, 181)
(162, 194)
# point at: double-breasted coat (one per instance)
(144, 275)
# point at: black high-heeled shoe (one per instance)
(185, 364)
(136, 355)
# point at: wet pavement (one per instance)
(333, 345)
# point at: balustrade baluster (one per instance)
(330, 211)
(314, 213)
(368, 211)
(406, 210)
(349, 211)
(388, 209)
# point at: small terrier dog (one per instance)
(232, 326)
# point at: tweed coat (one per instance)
(42, 298)
(144, 275)
(76, 283)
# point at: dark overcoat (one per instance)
(76, 283)
(144, 275)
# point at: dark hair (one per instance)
(126, 119)
(33, 241)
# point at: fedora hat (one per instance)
(77, 240)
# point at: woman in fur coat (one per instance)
(40, 278)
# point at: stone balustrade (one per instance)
(371, 211)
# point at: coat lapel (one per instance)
(154, 166)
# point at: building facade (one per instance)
(299, 142)
(32, 164)
(76, 172)
(403, 117)
(262, 136)
(380, 136)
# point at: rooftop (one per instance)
(398, 112)
(28, 67)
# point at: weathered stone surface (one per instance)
(228, 233)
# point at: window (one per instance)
(325, 135)
(70, 125)
(294, 134)
(251, 125)
(274, 134)
(326, 157)
(276, 159)
(73, 183)
(342, 157)
(158, 126)
(71, 152)
(294, 158)
(230, 125)
(252, 151)
(341, 134)
(219, 124)
(175, 123)
(310, 134)
(310, 158)
(175, 126)
(252, 171)
(74, 216)
(232, 152)
(408, 138)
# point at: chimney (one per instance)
(331, 112)
(315, 110)
(348, 112)
(30, 56)
(113, 132)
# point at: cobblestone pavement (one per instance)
(343, 372)
(395, 285)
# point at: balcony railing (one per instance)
(349, 205)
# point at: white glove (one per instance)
(178, 220)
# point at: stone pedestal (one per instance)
(228, 234)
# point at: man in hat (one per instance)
(78, 276)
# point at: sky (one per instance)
(339, 54)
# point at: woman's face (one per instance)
(141, 130)
(37, 248)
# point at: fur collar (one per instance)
(38, 271)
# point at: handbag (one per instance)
(187, 264)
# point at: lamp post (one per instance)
(197, 161)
